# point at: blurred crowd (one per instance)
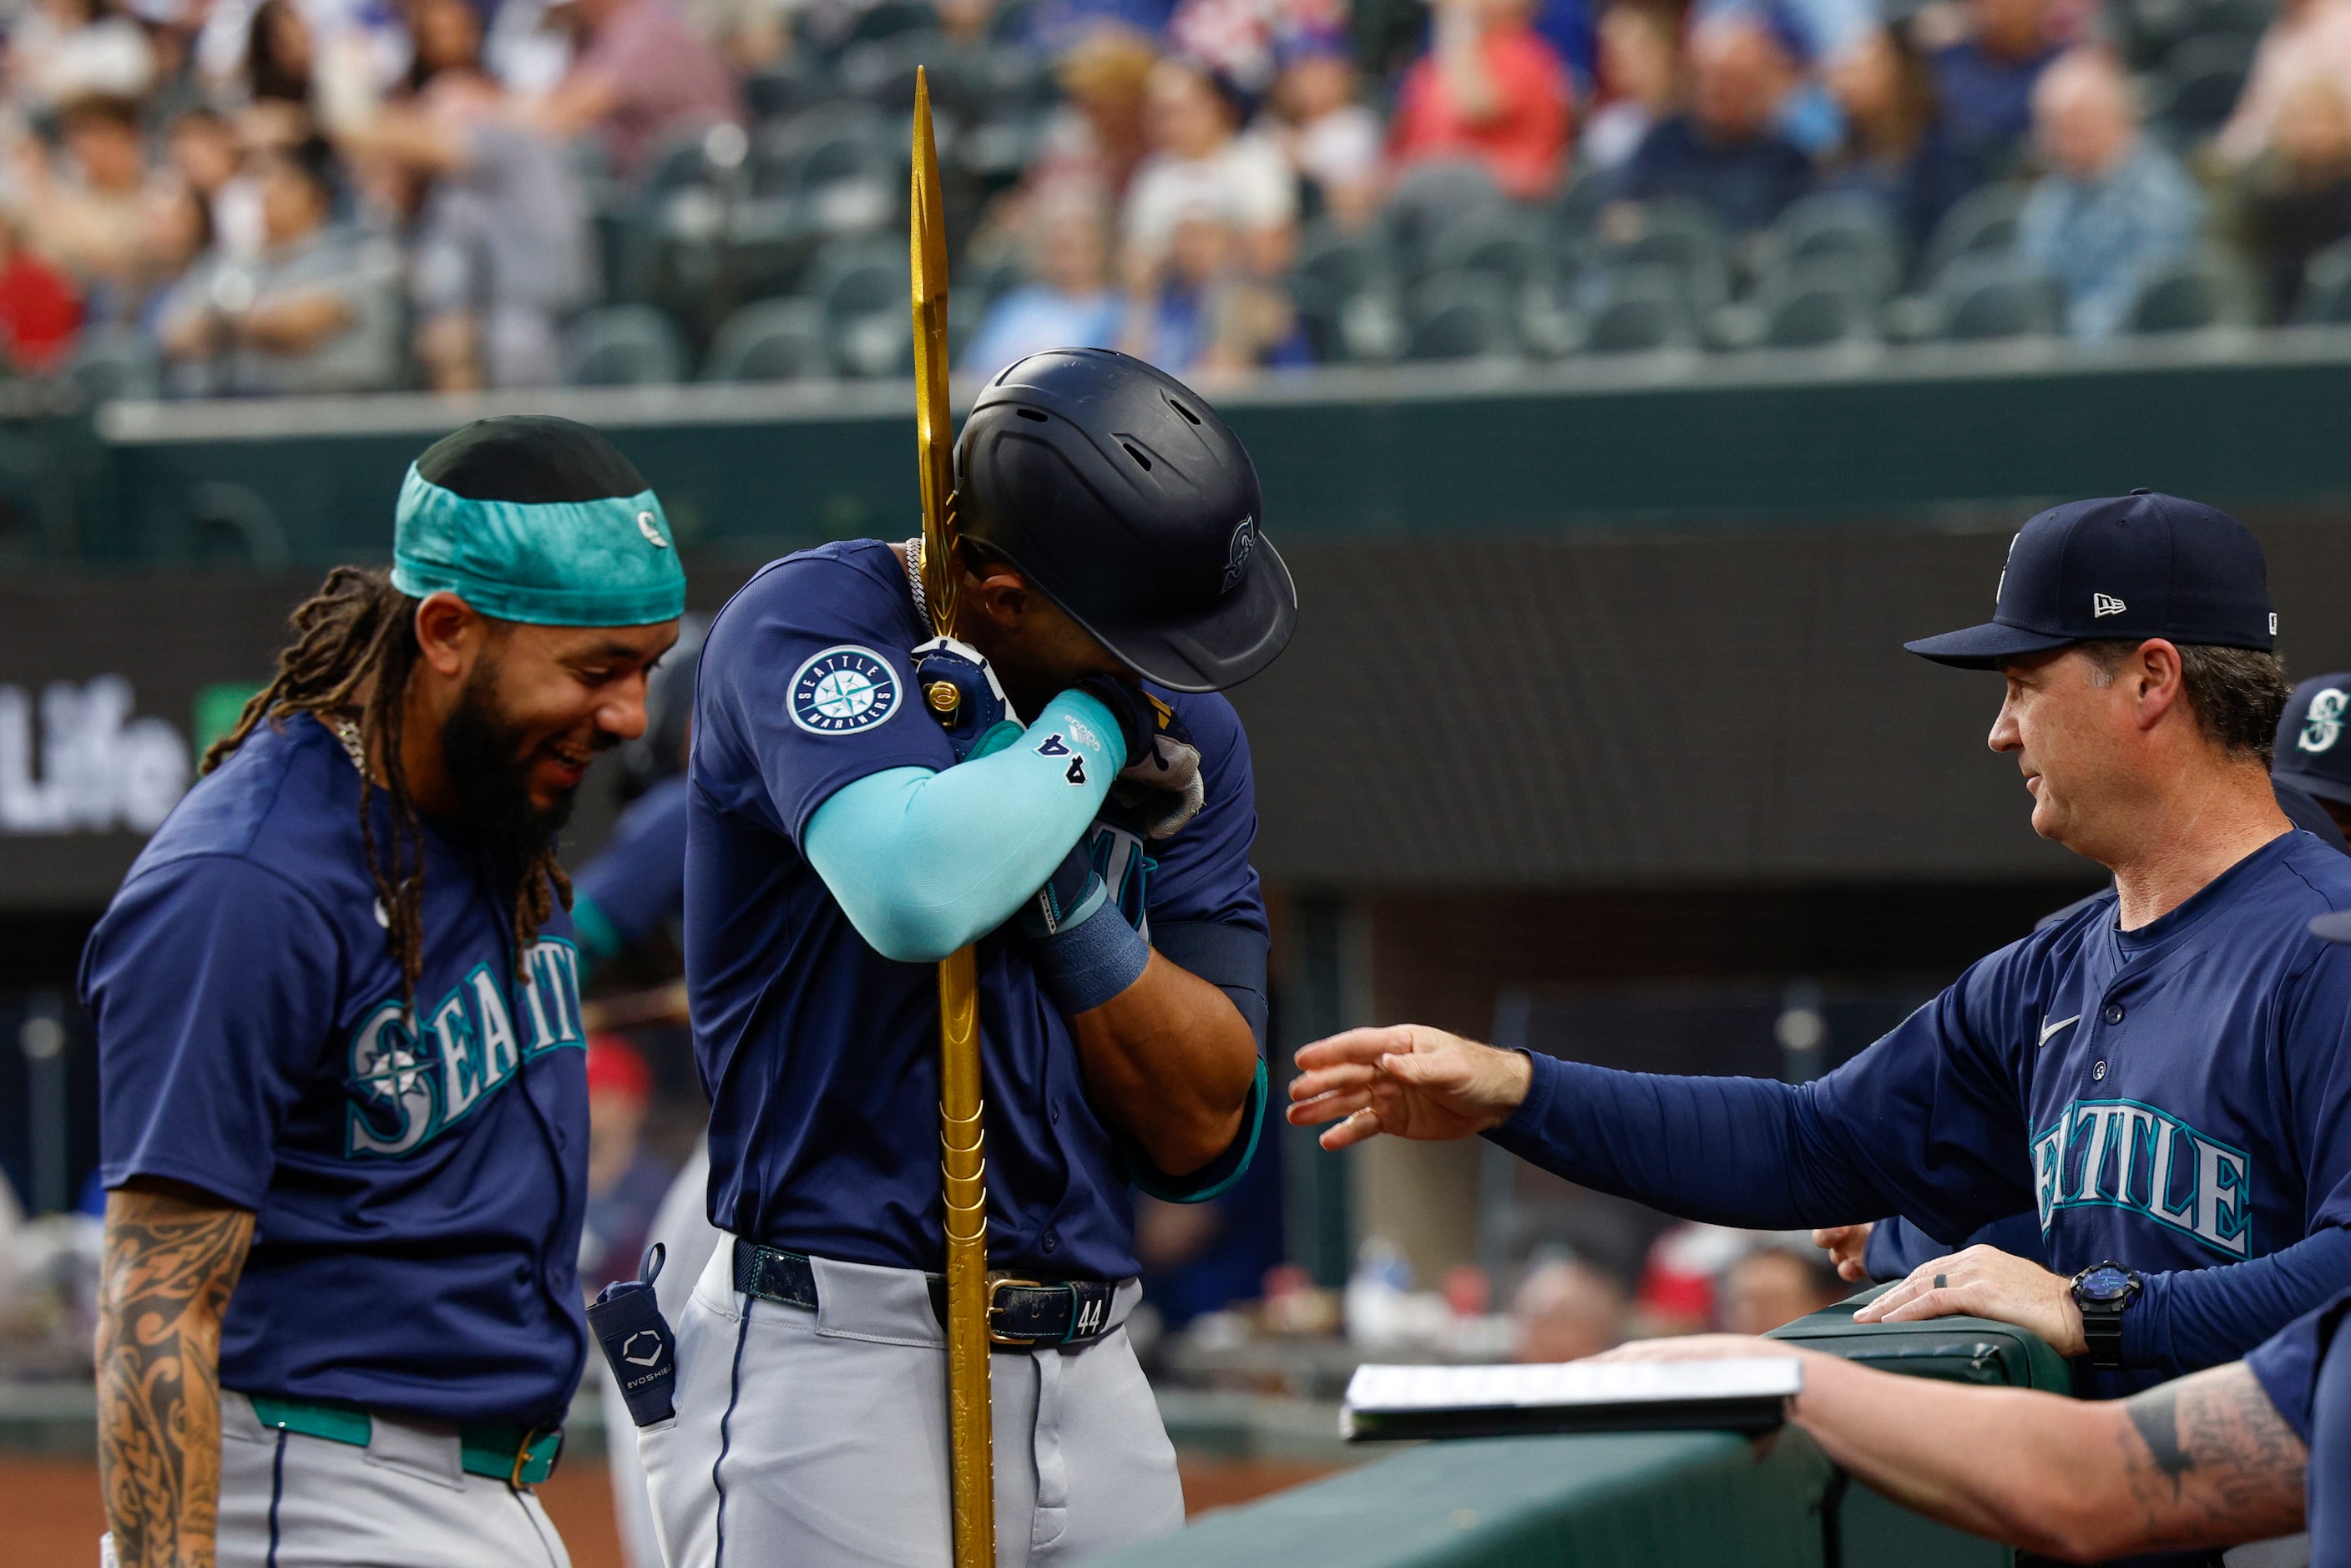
(225, 197)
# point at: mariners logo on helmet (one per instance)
(843, 689)
(2324, 727)
(1237, 553)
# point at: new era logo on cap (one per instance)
(2121, 568)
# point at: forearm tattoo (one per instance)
(2208, 1459)
(170, 1264)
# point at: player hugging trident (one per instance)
(966, 809)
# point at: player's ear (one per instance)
(996, 588)
(448, 631)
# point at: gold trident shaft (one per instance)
(962, 1140)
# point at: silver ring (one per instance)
(1942, 1281)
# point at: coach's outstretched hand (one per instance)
(1405, 1079)
(1986, 1282)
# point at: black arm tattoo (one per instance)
(2156, 1415)
(170, 1259)
(2209, 1460)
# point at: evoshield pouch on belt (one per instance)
(627, 1322)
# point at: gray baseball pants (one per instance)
(819, 1439)
(289, 1500)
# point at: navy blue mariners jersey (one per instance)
(2173, 1098)
(637, 880)
(821, 1056)
(417, 1180)
(2305, 1369)
(2287, 1364)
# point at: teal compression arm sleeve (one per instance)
(924, 863)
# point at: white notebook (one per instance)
(1746, 1394)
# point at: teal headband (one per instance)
(553, 563)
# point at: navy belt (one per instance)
(1023, 1315)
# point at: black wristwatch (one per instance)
(2102, 1291)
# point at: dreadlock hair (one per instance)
(355, 647)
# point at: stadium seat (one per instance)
(1983, 298)
(1639, 308)
(1499, 243)
(890, 18)
(1982, 222)
(771, 340)
(862, 289)
(2190, 297)
(112, 362)
(792, 86)
(2243, 18)
(1332, 270)
(1847, 227)
(1818, 314)
(1683, 239)
(2326, 289)
(1461, 315)
(1428, 199)
(2201, 81)
(622, 346)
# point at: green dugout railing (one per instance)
(1659, 1499)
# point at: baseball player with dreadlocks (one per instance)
(343, 1105)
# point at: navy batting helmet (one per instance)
(1124, 497)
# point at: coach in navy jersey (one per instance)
(1109, 577)
(343, 1109)
(2161, 1078)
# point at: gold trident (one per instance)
(971, 1455)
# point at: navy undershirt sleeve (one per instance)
(1728, 1151)
(1925, 1122)
(2194, 1318)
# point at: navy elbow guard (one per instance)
(1083, 950)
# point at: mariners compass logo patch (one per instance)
(843, 689)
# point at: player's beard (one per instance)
(489, 759)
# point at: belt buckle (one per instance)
(1023, 1342)
(522, 1455)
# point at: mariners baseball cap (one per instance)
(2125, 567)
(2314, 749)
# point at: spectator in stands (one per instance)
(315, 313)
(1725, 151)
(1565, 1310)
(1071, 304)
(175, 228)
(1201, 160)
(502, 245)
(39, 311)
(1983, 84)
(640, 77)
(2299, 199)
(1490, 89)
(278, 56)
(2112, 208)
(2310, 40)
(1639, 62)
(1204, 312)
(1775, 1285)
(1334, 142)
(61, 50)
(86, 218)
(1896, 149)
(1246, 41)
(1098, 135)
